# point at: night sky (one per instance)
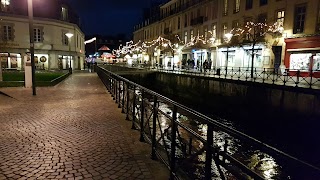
(109, 17)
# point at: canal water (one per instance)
(293, 133)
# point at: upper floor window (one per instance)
(225, 7)
(7, 33)
(214, 30)
(5, 5)
(37, 35)
(224, 29)
(263, 2)
(185, 20)
(191, 34)
(262, 18)
(185, 36)
(299, 20)
(235, 24)
(249, 4)
(65, 39)
(236, 6)
(179, 22)
(280, 17)
(64, 13)
(318, 22)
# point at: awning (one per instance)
(303, 50)
(104, 48)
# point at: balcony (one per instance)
(198, 20)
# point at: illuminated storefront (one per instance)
(303, 55)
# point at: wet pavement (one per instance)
(73, 130)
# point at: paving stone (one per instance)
(73, 130)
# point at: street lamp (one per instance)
(69, 35)
(31, 31)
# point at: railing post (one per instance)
(232, 73)
(311, 75)
(298, 75)
(239, 73)
(225, 75)
(142, 117)
(128, 100)
(263, 74)
(154, 126)
(225, 149)
(134, 108)
(116, 90)
(209, 152)
(173, 143)
(255, 75)
(119, 94)
(122, 111)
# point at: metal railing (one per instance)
(274, 76)
(190, 144)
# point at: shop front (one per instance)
(302, 56)
(11, 61)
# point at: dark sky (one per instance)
(109, 17)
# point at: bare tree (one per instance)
(254, 32)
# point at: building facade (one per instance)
(297, 48)
(53, 49)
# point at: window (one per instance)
(300, 16)
(225, 7)
(263, 2)
(236, 6)
(37, 35)
(205, 33)
(249, 4)
(280, 17)
(185, 36)
(191, 34)
(214, 30)
(178, 22)
(262, 18)
(7, 33)
(65, 40)
(185, 20)
(64, 13)
(5, 5)
(224, 29)
(318, 22)
(235, 24)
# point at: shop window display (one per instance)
(316, 62)
(300, 61)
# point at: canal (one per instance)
(294, 133)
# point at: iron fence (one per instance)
(193, 145)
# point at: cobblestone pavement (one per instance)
(71, 131)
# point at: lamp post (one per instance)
(31, 30)
(69, 35)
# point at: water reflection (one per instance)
(256, 160)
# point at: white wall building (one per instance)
(51, 44)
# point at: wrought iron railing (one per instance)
(193, 145)
(276, 76)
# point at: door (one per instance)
(277, 50)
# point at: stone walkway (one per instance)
(71, 131)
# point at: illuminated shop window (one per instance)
(300, 61)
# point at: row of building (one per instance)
(52, 21)
(298, 47)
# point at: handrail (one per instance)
(201, 117)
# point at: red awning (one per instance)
(104, 48)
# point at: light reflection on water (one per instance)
(254, 159)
